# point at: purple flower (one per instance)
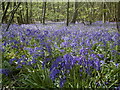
(5, 71)
(29, 63)
(84, 51)
(101, 55)
(19, 66)
(117, 64)
(62, 81)
(23, 63)
(97, 62)
(11, 60)
(102, 62)
(54, 73)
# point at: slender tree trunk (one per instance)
(75, 13)
(4, 18)
(54, 7)
(12, 15)
(13, 6)
(27, 17)
(54, 10)
(58, 12)
(104, 13)
(3, 6)
(31, 12)
(118, 17)
(67, 23)
(44, 12)
(20, 18)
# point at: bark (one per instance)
(12, 15)
(104, 13)
(27, 17)
(4, 17)
(31, 12)
(75, 13)
(44, 12)
(3, 6)
(118, 17)
(67, 23)
(58, 12)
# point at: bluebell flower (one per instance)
(68, 59)
(4, 44)
(23, 56)
(84, 51)
(53, 66)
(11, 35)
(23, 63)
(62, 50)
(45, 62)
(36, 55)
(88, 71)
(14, 46)
(25, 59)
(55, 63)
(64, 44)
(65, 38)
(97, 84)
(54, 73)
(81, 70)
(34, 61)
(62, 81)
(73, 44)
(11, 60)
(5, 71)
(19, 66)
(29, 63)
(117, 64)
(46, 33)
(118, 88)
(101, 55)
(102, 62)
(19, 60)
(98, 66)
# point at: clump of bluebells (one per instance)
(62, 66)
(5, 71)
(76, 57)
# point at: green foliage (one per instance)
(37, 78)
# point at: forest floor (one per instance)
(78, 26)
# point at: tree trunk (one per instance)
(3, 6)
(20, 18)
(54, 11)
(44, 12)
(27, 17)
(58, 12)
(4, 17)
(12, 15)
(104, 13)
(31, 12)
(118, 17)
(75, 13)
(67, 23)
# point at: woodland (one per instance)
(50, 45)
